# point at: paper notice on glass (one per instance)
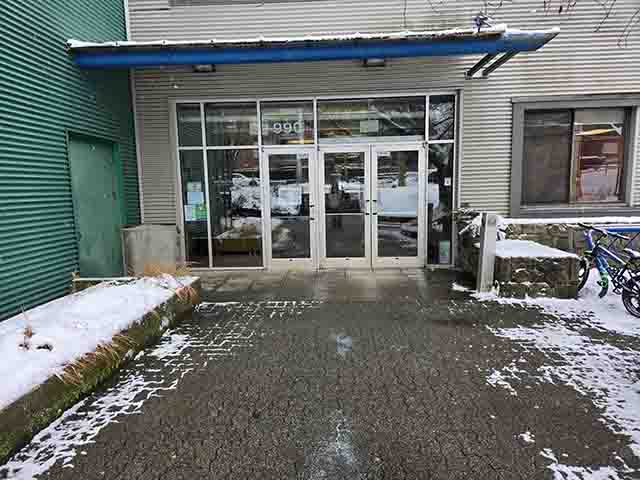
(194, 187)
(195, 198)
(189, 213)
(444, 252)
(433, 194)
(200, 211)
(369, 126)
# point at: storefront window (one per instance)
(547, 152)
(235, 208)
(290, 205)
(231, 124)
(189, 125)
(380, 118)
(344, 200)
(442, 117)
(195, 208)
(287, 123)
(397, 203)
(573, 156)
(440, 203)
(599, 148)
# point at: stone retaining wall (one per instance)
(537, 277)
(525, 276)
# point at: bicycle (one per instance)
(623, 274)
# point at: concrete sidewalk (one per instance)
(331, 375)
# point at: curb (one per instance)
(24, 418)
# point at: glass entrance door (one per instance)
(397, 206)
(345, 240)
(290, 191)
(372, 203)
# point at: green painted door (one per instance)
(95, 185)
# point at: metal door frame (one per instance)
(399, 262)
(371, 259)
(310, 263)
(344, 262)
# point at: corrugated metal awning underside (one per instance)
(494, 42)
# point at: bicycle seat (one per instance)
(632, 253)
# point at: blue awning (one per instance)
(491, 42)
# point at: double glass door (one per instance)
(347, 206)
(372, 206)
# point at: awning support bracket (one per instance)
(486, 60)
(481, 63)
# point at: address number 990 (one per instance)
(287, 127)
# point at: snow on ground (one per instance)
(77, 427)
(594, 367)
(604, 373)
(604, 314)
(69, 327)
(569, 472)
(527, 437)
(153, 373)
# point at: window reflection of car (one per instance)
(287, 199)
(393, 180)
(242, 180)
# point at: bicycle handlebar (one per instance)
(602, 231)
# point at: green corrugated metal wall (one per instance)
(43, 96)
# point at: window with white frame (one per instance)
(220, 173)
(218, 152)
(571, 156)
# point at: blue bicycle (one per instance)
(623, 273)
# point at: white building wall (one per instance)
(579, 61)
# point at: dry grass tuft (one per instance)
(27, 334)
(28, 331)
(187, 294)
(157, 269)
(106, 354)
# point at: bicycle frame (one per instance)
(600, 254)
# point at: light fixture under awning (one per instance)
(491, 41)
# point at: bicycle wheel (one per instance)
(631, 296)
(583, 272)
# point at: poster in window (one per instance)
(195, 198)
(194, 186)
(189, 213)
(200, 212)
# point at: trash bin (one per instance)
(144, 244)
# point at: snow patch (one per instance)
(79, 426)
(474, 225)
(604, 373)
(456, 287)
(527, 437)
(603, 314)
(498, 379)
(73, 326)
(496, 29)
(528, 249)
(569, 472)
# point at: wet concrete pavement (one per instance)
(331, 375)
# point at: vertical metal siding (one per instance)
(579, 61)
(43, 96)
